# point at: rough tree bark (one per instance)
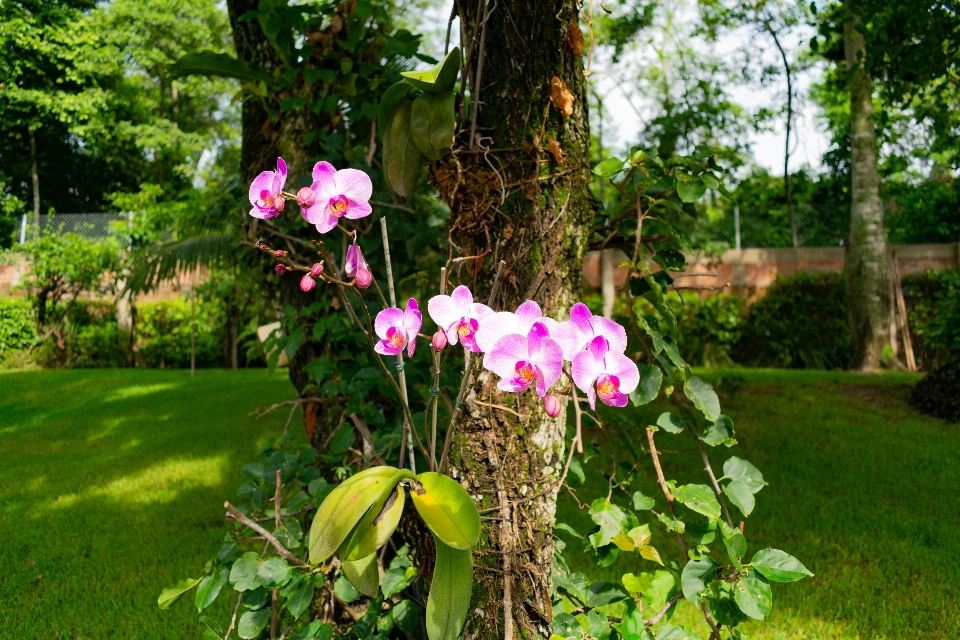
(518, 189)
(866, 267)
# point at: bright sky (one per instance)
(808, 140)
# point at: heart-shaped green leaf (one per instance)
(447, 509)
(401, 158)
(609, 167)
(441, 78)
(700, 498)
(740, 495)
(697, 574)
(433, 122)
(363, 574)
(343, 508)
(703, 397)
(650, 380)
(382, 527)
(739, 469)
(450, 591)
(691, 191)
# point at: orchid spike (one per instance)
(576, 333)
(520, 321)
(266, 192)
(459, 316)
(521, 361)
(614, 374)
(337, 194)
(398, 329)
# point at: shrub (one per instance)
(17, 329)
(938, 394)
(708, 329)
(163, 334)
(799, 323)
(934, 301)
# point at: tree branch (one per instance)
(281, 550)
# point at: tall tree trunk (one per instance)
(866, 269)
(35, 183)
(786, 145)
(528, 202)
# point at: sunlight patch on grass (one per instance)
(140, 390)
(159, 484)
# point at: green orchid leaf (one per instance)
(221, 65)
(343, 509)
(401, 158)
(348, 548)
(450, 591)
(447, 509)
(441, 78)
(391, 97)
(363, 574)
(382, 527)
(433, 122)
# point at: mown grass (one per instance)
(111, 488)
(111, 485)
(862, 489)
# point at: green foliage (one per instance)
(800, 322)
(17, 329)
(163, 333)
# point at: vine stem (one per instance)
(713, 480)
(281, 550)
(467, 374)
(663, 485)
(401, 375)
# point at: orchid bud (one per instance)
(279, 253)
(354, 261)
(263, 247)
(551, 405)
(439, 341)
(307, 283)
(306, 197)
(278, 203)
(280, 269)
(316, 270)
(363, 278)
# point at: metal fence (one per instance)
(89, 225)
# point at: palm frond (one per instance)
(179, 257)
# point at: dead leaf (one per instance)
(560, 97)
(336, 23)
(335, 303)
(575, 39)
(554, 148)
(507, 232)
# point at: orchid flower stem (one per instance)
(408, 423)
(435, 391)
(467, 375)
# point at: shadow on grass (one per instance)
(111, 489)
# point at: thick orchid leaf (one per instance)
(221, 65)
(401, 157)
(447, 509)
(391, 97)
(433, 122)
(363, 574)
(343, 508)
(441, 78)
(449, 600)
(383, 526)
(347, 548)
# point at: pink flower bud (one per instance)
(307, 283)
(279, 253)
(364, 278)
(551, 405)
(439, 341)
(263, 247)
(354, 261)
(316, 270)
(278, 203)
(306, 197)
(280, 269)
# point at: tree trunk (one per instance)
(35, 184)
(866, 270)
(527, 202)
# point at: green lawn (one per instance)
(111, 485)
(111, 488)
(861, 488)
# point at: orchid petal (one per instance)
(389, 317)
(528, 313)
(618, 400)
(586, 369)
(323, 172)
(503, 358)
(264, 214)
(463, 298)
(598, 347)
(494, 327)
(513, 384)
(282, 171)
(263, 182)
(327, 221)
(357, 209)
(615, 334)
(444, 312)
(386, 348)
(549, 360)
(617, 364)
(354, 184)
(580, 315)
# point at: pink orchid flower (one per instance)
(615, 374)
(398, 329)
(504, 323)
(459, 316)
(338, 194)
(521, 361)
(265, 192)
(576, 333)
